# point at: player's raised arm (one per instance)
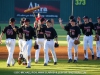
(79, 20)
(60, 21)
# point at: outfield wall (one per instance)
(81, 8)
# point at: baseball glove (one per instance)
(56, 45)
(19, 61)
(96, 38)
(24, 63)
(76, 42)
(36, 46)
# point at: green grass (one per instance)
(91, 67)
(61, 43)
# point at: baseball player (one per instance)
(87, 28)
(28, 33)
(50, 34)
(10, 31)
(40, 37)
(74, 33)
(68, 25)
(20, 43)
(97, 28)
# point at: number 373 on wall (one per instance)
(80, 2)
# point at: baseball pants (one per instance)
(27, 46)
(70, 45)
(20, 43)
(67, 38)
(49, 45)
(88, 41)
(40, 42)
(10, 44)
(98, 48)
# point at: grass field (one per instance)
(91, 67)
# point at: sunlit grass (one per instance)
(91, 67)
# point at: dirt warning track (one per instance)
(61, 52)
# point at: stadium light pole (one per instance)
(72, 7)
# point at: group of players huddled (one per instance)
(44, 35)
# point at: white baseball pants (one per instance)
(88, 41)
(20, 43)
(10, 44)
(40, 42)
(49, 45)
(98, 48)
(67, 38)
(70, 45)
(27, 46)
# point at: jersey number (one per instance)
(73, 33)
(88, 30)
(10, 32)
(48, 35)
(27, 34)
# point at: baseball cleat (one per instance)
(70, 60)
(55, 63)
(36, 61)
(49, 60)
(92, 57)
(97, 58)
(13, 64)
(28, 67)
(8, 65)
(85, 59)
(75, 61)
(45, 64)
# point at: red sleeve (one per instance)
(38, 18)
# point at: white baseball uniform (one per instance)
(40, 41)
(74, 33)
(28, 33)
(88, 38)
(97, 29)
(21, 42)
(10, 42)
(50, 34)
